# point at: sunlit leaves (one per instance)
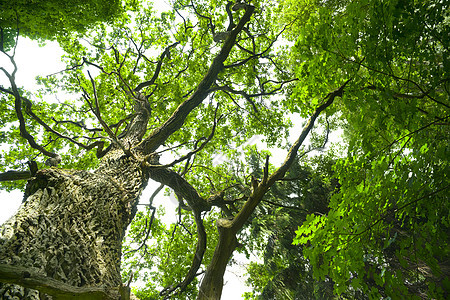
(163, 259)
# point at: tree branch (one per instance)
(249, 96)
(196, 261)
(157, 70)
(96, 111)
(176, 120)
(211, 287)
(29, 278)
(197, 149)
(18, 108)
(28, 109)
(258, 193)
(15, 175)
(180, 186)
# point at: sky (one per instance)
(33, 60)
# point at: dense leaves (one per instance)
(284, 273)
(387, 230)
(52, 19)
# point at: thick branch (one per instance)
(15, 175)
(180, 186)
(258, 193)
(36, 281)
(328, 100)
(176, 121)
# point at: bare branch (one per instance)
(231, 24)
(28, 109)
(78, 124)
(180, 186)
(328, 100)
(278, 174)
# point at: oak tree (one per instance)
(157, 96)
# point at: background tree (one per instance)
(284, 273)
(387, 230)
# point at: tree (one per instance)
(284, 272)
(158, 94)
(66, 238)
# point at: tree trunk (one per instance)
(212, 283)
(71, 225)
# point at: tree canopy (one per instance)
(52, 19)
(367, 217)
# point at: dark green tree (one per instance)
(386, 233)
(284, 273)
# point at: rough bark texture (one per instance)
(71, 225)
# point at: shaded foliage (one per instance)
(284, 273)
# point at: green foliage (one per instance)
(127, 52)
(384, 233)
(387, 231)
(50, 19)
(164, 257)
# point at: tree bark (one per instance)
(71, 225)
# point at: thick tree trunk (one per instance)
(71, 225)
